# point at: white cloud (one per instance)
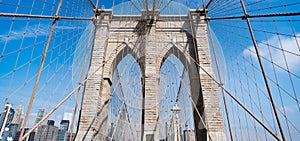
(34, 31)
(30, 31)
(289, 109)
(288, 44)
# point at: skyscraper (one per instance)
(41, 113)
(64, 125)
(18, 117)
(6, 117)
(63, 131)
(28, 138)
(50, 122)
(69, 117)
(47, 132)
(16, 121)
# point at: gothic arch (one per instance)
(119, 53)
(185, 59)
(193, 74)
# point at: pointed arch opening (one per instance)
(125, 111)
(175, 110)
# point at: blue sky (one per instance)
(22, 41)
(277, 39)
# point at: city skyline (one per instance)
(11, 124)
(142, 58)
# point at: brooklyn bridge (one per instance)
(150, 70)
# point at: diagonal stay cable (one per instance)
(43, 16)
(236, 100)
(66, 98)
(241, 104)
(262, 69)
(81, 77)
(256, 16)
(93, 4)
(220, 79)
(39, 73)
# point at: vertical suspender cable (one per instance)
(39, 72)
(262, 69)
(235, 99)
(220, 79)
(81, 77)
(218, 70)
(82, 71)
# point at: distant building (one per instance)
(69, 117)
(10, 131)
(41, 113)
(6, 134)
(29, 138)
(50, 122)
(6, 117)
(63, 131)
(18, 117)
(16, 121)
(62, 135)
(64, 125)
(47, 132)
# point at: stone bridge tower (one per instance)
(150, 38)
